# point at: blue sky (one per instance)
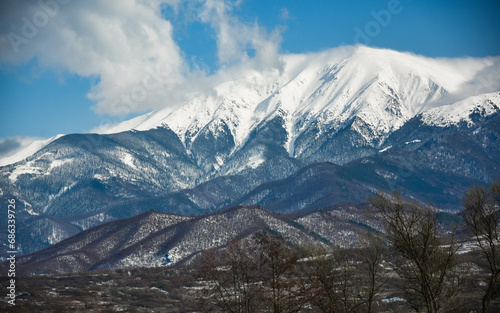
(64, 79)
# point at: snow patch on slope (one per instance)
(28, 168)
(128, 160)
(58, 163)
(255, 160)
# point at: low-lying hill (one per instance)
(155, 239)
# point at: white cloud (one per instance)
(11, 145)
(285, 14)
(128, 46)
(235, 38)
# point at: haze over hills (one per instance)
(379, 118)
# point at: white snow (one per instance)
(28, 151)
(128, 160)
(28, 208)
(28, 168)
(31, 168)
(58, 163)
(100, 177)
(382, 87)
(393, 299)
(452, 114)
(255, 160)
(413, 141)
(385, 149)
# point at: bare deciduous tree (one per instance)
(349, 282)
(481, 216)
(278, 267)
(343, 280)
(253, 276)
(231, 277)
(375, 281)
(321, 278)
(428, 264)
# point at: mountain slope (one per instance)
(80, 252)
(381, 87)
(154, 238)
(345, 106)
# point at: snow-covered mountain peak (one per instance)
(450, 73)
(380, 87)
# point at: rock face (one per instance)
(328, 128)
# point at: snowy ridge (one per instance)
(455, 113)
(383, 88)
(27, 151)
(157, 239)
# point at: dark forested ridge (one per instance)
(392, 255)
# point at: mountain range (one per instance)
(155, 239)
(325, 128)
